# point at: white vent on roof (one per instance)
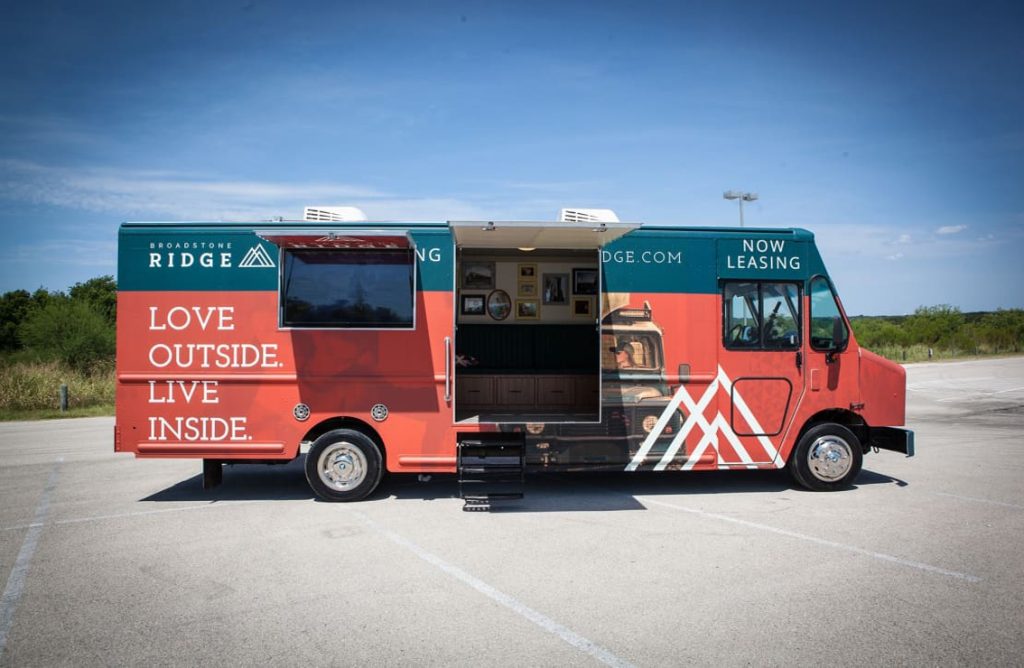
(587, 216)
(333, 214)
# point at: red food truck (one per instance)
(488, 349)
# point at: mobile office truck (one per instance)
(488, 348)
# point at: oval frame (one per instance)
(499, 304)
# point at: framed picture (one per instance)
(499, 304)
(478, 275)
(527, 290)
(555, 288)
(582, 307)
(527, 309)
(527, 272)
(473, 305)
(584, 281)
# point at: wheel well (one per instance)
(344, 422)
(848, 419)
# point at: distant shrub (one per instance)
(72, 332)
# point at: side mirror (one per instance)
(838, 333)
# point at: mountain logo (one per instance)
(258, 258)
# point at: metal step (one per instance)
(490, 469)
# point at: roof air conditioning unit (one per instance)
(333, 214)
(587, 216)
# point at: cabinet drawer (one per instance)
(474, 391)
(516, 391)
(587, 391)
(555, 391)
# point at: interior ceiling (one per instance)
(483, 234)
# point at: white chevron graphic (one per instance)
(695, 418)
(257, 257)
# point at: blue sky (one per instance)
(894, 131)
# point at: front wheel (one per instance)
(827, 458)
(344, 465)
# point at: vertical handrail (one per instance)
(447, 369)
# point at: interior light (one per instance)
(527, 250)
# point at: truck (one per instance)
(492, 349)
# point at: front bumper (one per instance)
(892, 438)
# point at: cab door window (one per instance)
(828, 329)
(761, 316)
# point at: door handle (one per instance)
(799, 359)
(447, 369)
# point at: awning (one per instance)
(321, 238)
(486, 234)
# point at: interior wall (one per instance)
(523, 291)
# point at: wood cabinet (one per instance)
(527, 393)
(472, 391)
(516, 391)
(556, 391)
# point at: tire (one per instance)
(827, 458)
(344, 465)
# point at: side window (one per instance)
(742, 315)
(828, 330)
(762, 316)
(348, 288)
(782, 315)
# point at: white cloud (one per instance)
(895, 256)
(950, 229)
(142, 194)
(904, 239)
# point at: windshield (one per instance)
(620, 351)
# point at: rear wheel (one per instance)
(828, 457)
(344, 465)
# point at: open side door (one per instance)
(535, 358)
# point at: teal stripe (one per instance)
(230, 257)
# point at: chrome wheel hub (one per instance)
(830, 458)
(342, 466)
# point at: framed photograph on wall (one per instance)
(555, 288)
(477, 275)
(473, 305)
(582, 307)
(499, 304)
(527, 309)
(584, 281)
(527, 290)
(528, 272)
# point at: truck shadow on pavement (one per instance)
(544, 492)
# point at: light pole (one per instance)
(742, 197)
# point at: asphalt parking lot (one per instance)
(110, 561)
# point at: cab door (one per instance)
(761, 368)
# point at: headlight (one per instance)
(535, 428)
(649, 422)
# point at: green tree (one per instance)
(14, 308)
(101, 293)
(73, 332)
(934, 325)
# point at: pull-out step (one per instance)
(490, 469)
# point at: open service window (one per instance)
(348, 288)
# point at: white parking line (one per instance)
(820, 541)
(543, 621)
(974, 498)
(136, 513)
(16, 580)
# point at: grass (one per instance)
(31, 390)
(919, 353)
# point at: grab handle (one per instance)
(447, 369)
